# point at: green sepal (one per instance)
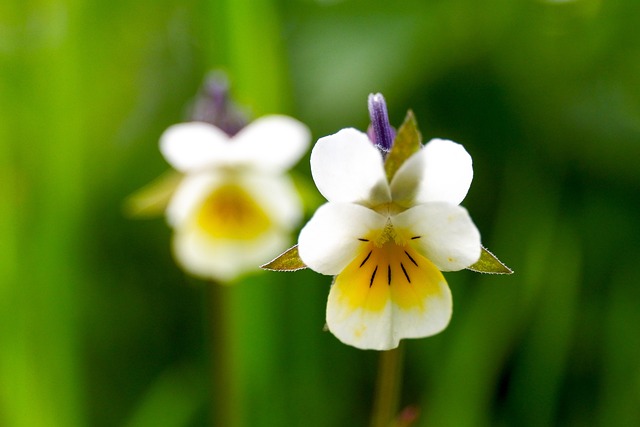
(489, 263)
(408, 141)
(152, 199)
(288, 261)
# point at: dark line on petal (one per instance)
(412, 260)
(389, 275)
(365, 260)
(364, 240)
(373, 276)
(415, 237)
(405, 273)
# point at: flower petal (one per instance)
(222, 259)
(329, 241)
(272, 143)
(441, 172)
(193, 146)
(346, 167)
(277, 196)
(442, 232)
(191, 191)
(375, 304)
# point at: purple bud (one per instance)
(382, 132)
(213, 105)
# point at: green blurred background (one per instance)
(98, 327)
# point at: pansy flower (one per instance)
(387, 241)
(234, 207)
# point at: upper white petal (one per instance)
(272, 143)
(448, 236)
(346, 167)
(441, 171)
(193, 146)
(329, 241)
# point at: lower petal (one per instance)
(386, 294)
(223, 260)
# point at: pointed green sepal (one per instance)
(408, 141)
(489, 263)
(288, 261)
(152, 199)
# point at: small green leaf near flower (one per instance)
(489, 263)
(407, 142)
(287, 261)
(152, 199)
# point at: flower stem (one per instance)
(388, 384)
(224, 390)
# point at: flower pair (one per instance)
(392, 222)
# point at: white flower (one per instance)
(387, 242)
(235, 207)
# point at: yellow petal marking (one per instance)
(392, 272)
(230, 212)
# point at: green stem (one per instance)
(388, 384)
(224, 390)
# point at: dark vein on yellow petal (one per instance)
(373, 276)
(415, 237)
(365, 260)
(364, 240)
(389, 275)
(412, 260)
(405, 273)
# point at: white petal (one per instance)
(190, 192)
(272, 143)
(346, 167)
(441, 172)
(277, 195)
(193, 146)
(443, 233)
(224, 260)
(329, 241)
(382, 329)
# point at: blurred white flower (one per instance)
(235, 207)
(387, 242)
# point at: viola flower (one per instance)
(234, 208)
(387, 241)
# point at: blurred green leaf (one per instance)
(288, 261)
(152, 199)
(408, 141)
(489, 263)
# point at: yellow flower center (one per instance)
(229, 212)
(387, 268)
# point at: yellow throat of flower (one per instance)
(388, 269)
(230, 212)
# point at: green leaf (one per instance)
(288, 261)
(407, 142)
(489, 263)
(152, 199)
